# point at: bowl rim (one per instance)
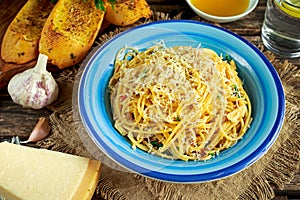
(215, 18)
(242, 164)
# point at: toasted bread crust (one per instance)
(126, 12)
(20, 42)
(70, 31)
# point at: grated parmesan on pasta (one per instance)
(179, 103)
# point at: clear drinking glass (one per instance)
(281, 27)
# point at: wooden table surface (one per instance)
(15, 120)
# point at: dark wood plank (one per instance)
(15, 120)
(8, 11)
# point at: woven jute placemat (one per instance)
(276, 167)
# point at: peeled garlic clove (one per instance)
(34, 88)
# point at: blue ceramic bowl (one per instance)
(260, 81)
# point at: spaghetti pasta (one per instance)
(178, 103)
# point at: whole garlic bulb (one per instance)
(34, 88)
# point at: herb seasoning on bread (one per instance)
(70, 31)
(21, 39)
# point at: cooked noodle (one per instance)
(179, 103)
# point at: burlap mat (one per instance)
(276, 167)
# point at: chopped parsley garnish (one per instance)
(236, 91)
(227, 58)
(156, 144)
(99, 3)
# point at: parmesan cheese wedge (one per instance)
(29, 173)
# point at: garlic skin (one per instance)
(34, 88)
(39, 132)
